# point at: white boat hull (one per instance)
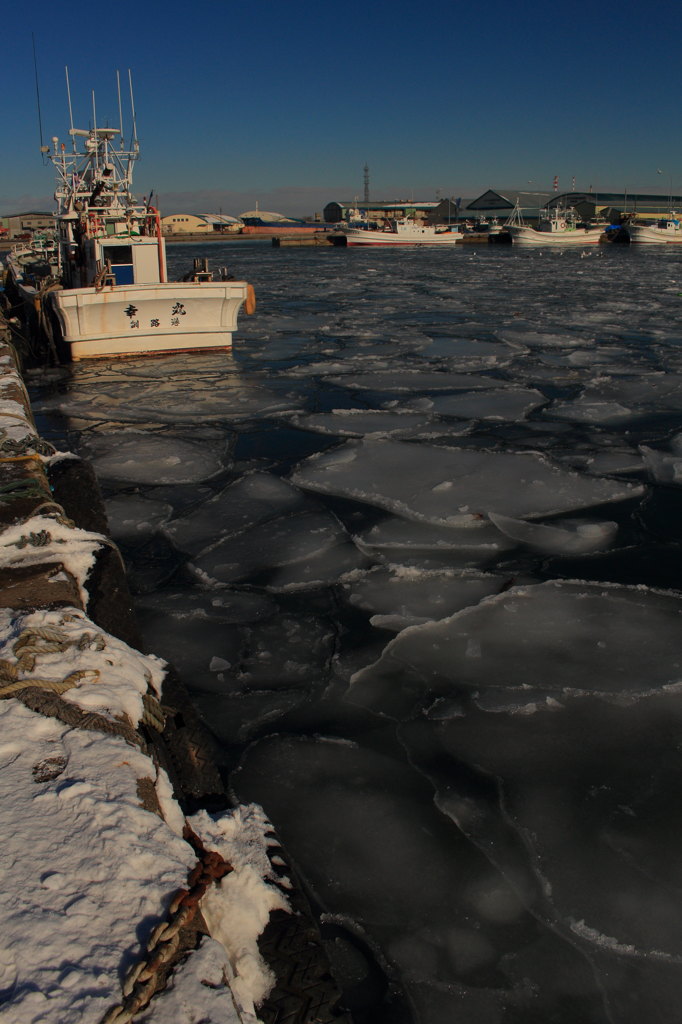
(412, 236)
(522, 235)
(650, 235)
(137, 319)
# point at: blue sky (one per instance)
(284, 103)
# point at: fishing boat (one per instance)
(405, 231)
(663, 232)
(555, 227)
(104, 291)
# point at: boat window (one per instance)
(118, 254)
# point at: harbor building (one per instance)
(199, 224)
(338, 212)
(589, 205)
(22, 225)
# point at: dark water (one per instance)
(468, 735)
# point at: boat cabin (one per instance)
(112, 253)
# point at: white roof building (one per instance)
(197, 224)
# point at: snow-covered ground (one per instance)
(415, 548)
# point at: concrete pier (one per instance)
(282, 241)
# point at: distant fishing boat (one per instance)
(105, 290)
(555, 227)
(405, 231)
(664, 232)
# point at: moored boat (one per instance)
(405, 231)
(555, 227)
(663, 232)
(105, 290)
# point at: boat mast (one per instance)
(120, 109)
(134, 142)
(40, 118)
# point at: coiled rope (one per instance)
(43, 640)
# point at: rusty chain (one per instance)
(144, 977)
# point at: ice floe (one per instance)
(590, 409)
(249, 501)
(538, 339)
(566, 537)
(396, 539)
(400, 596)
(361, 422)
(463, 912)
(411, 380)
(532, 643)
(277, 543)
(468, 353)
(147, 459)
(664, 467)
(500, 404)
(133, 516)
(448, 486)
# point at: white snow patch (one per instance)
(237, 908)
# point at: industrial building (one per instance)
(198, 224)
(337, 212)
(21, 225)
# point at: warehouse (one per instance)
(588, 204)
(337, 212)
(198, 224)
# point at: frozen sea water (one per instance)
(415, 548)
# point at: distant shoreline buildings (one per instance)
(501, 204)
(490, 204)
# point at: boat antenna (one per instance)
(40, 119)
(120, 109)
(68, 94)
(94, 113)
(132, 107)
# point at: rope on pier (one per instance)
(53, 685)
(32, 643)
(27, 447)
(18, 489)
